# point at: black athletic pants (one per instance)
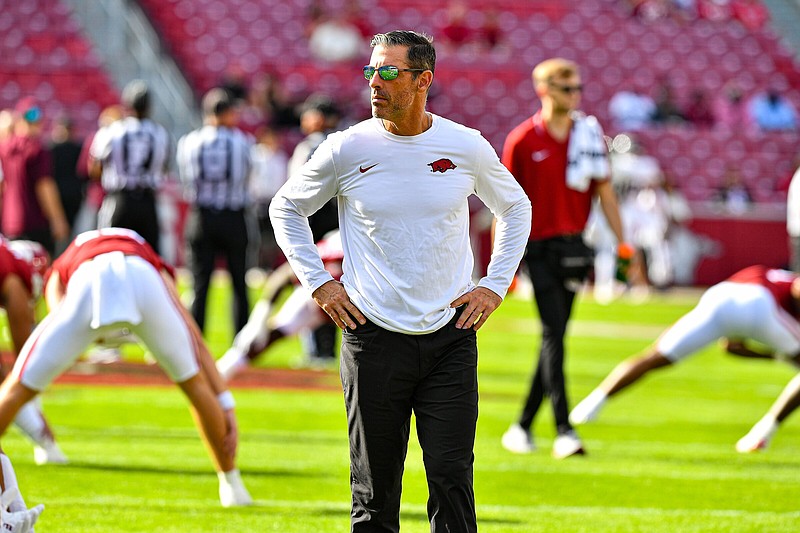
(554, 303)
(132, 209)
(387, 375)
(211, 233)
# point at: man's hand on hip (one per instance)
(333, 299)
(480, 303)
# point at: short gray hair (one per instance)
(421, 53)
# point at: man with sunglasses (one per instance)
(406, 302)
(560, 159)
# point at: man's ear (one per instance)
(425, 80)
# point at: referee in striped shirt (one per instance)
(214, 165)
(130, 157)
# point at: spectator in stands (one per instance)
(335, 39)
(316, 16)
(752, 14)
(69, 178)
(631, 111)
(267, 175)
(730, 110)
(30, 202)
(667, 110)
(214, 164)
(130, 157)
(771, 111)
(733, 194)
(698, 113)
(455, 32)
(355, 16)
(685, 10)
(489, 34)
(650, 10)
(714, 10)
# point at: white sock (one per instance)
(231, 363)
(231, 477)
(597, 398)
(768, 425)
(30, 421)
(10, 483)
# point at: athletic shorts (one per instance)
(110, 292)
(735, 311)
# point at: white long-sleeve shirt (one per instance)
(404, 219)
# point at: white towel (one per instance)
(587, 154)
(113, 295)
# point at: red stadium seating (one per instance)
(44, 54)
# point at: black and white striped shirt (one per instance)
(214, 165)
(134, 152)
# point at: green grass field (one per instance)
(661, 456)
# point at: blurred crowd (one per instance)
(750, 13)
(767, 110)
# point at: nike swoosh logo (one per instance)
(364, 169)
(540, 155)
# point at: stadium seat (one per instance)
(614, 49)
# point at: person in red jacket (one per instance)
(758, 304)
(560, 158)
(108, 280)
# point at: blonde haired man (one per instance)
(560, 158)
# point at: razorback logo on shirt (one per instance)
(442, 165)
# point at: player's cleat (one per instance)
(18, 521)
(49, 453)
(232, 492)
(567, 445)
(588, 409)
(518, 440)
(759, 437)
